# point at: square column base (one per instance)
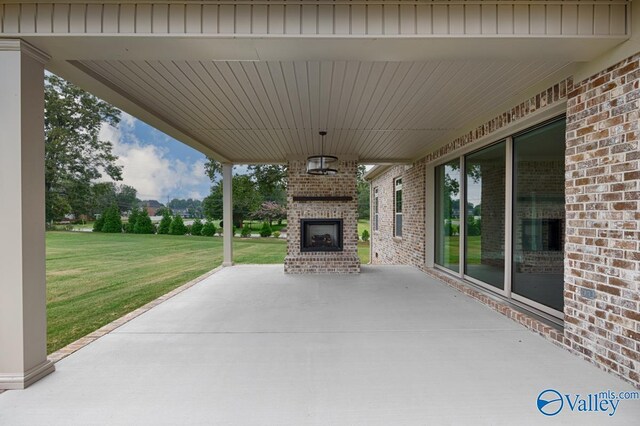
(22, 381)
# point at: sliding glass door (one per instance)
(484, 215)
(504, 204)
(538, 215)
(448, 215)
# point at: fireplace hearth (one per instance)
(320, 235)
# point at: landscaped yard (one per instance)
(95, 278)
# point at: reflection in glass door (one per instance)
(485, 214)
(448, 215)
(538, 215)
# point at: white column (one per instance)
(227, 214)
(23, 315)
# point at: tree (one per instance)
(177, 226)
(131, 223)
(270, 211)
(126, 197)
(103, 196)
(189, 206)
(213, 169)
(365, 235)
(165, 223)
(271, 180)
(74, 154)
(98, 224)
(196, 227)
(246, 199)
(143, 224)
(164, 210)
(112, 221)
(364, 194)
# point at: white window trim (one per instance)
(395, 213)
(376, 214)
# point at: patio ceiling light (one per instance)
(321, 164)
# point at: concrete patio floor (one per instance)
(250, 345)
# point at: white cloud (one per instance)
(148, 167)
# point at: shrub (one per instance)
(177, 226)
(365, 235)
(130, 226)
(112, 221)
(234, 231)
(196, 227)
(143, 224)
(165, 223)
(208, 229)
(266, 231)
(276, 234)
(246, 231)
(98, 224)
(220, 231)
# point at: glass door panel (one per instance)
(448, 215)
(538, 215)
(485, 214)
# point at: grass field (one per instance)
(95, 278)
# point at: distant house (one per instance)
(152, 206)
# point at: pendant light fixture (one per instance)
(321, 164)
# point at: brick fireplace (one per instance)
(322, 220)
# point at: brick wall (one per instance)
(408, 250)
(602, 252)
(302, 184)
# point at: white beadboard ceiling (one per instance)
(268, 111)
(252, 81)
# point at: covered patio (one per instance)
(252, 345)
(398, 84)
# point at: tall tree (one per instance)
(246, 199)
(364, 194)
(271, 180)
(74, 154)
(126, 197)
(103, 196)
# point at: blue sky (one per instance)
(158, 166)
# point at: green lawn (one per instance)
(95, 278)
(362, 225)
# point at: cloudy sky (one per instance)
(158, 166)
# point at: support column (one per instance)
(227, 213)
(23, 315)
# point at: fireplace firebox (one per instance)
(320, 235)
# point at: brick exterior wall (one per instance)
(602, 252)
(302, 184)
(602, 243)
(408, 250)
